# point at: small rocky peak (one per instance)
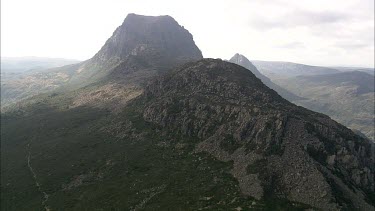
(243, 61)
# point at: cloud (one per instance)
(297, 18)
(319, 32)
(292, 45)
(350, 45)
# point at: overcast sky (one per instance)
(317, 32)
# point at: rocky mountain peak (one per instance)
(150, 35)
(146, 44)
(245, 62)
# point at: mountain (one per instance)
(197, 131)
(143, 46)
(243, 61)
(347, 97)
(276, 70)
(147, 42)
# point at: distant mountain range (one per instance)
(361, 69)
(147, 123)
(280, 69)
(348, 97)
(289, 69)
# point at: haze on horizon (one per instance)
(321, 32)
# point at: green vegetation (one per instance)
(82, 165)
(257, 166)
(119, 174)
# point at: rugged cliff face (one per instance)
(147, 35)
(277, 149)
(152, 43)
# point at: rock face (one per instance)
(244, 62)
(142, 42)
(277, 148)
(146, 35)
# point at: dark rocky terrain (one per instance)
(277, 148)
(132, 132)
(244, 62)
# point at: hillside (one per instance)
(201, 129)
(22, 77)
(347, 97)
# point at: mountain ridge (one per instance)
(243, 61)
(218, 109)
(280, 69)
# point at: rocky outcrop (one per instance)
(277, 148)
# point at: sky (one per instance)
(315, 32)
